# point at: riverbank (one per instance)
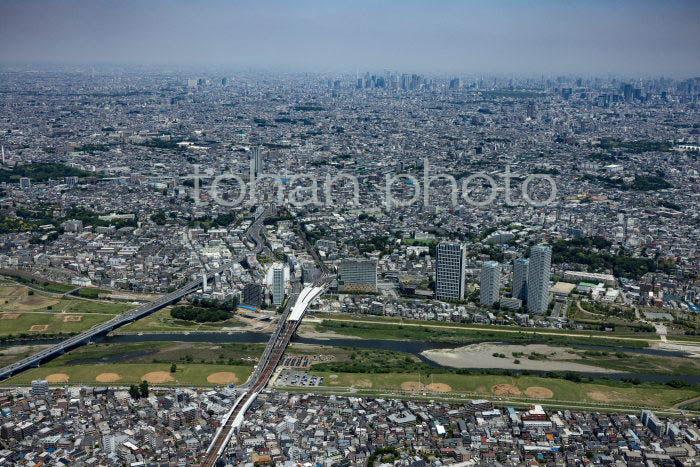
(538, 357)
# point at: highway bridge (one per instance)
(253, 233)
(288, 324)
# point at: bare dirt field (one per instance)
(538, 392)
(72, 318)
(107, 378)
(9, 316)
(39, 328)
(223, 377)
(412, 386)
(506, 390)
(157, 377)
(58, 378)
(600, 396)
(439, 387)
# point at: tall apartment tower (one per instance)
(256, 160)
(277, 285)
(520, 268)
(490, 283)
(449, 271)
(357, 275)
(538, 279)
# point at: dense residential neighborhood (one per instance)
(330, 234)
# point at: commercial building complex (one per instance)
(357, 275)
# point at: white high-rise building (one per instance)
(277, 285)
(490, 283)
(256, 160)
(520, 268)
(449, 271)
(538, 279)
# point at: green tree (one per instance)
(134, 392)
(173, 368)
(143, 388)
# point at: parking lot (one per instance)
(296, 362)
(298, 378)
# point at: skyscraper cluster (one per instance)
(530, 280)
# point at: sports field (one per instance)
(27, 324)
(26, 312)
(193, 374)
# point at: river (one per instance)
(412, 347)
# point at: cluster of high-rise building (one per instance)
(530, 277)
(530, 285)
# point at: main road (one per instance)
(253, 233)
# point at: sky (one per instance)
(633, 37)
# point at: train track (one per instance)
(268, 363)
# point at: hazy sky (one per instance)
(558, 36)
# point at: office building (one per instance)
(309, 272)
(252, 295)
(538, 279)
(277, 285)
(449, 271)
(490, 283)
(531, 110)
(357, 275)
(520, 268)
(25, 183)
(256, 160)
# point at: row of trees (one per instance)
(140, 391)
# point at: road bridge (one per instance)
(253, 233)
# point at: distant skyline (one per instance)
(633, 37)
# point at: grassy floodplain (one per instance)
(454, 333)
(515, 387)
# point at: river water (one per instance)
(412, 347)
